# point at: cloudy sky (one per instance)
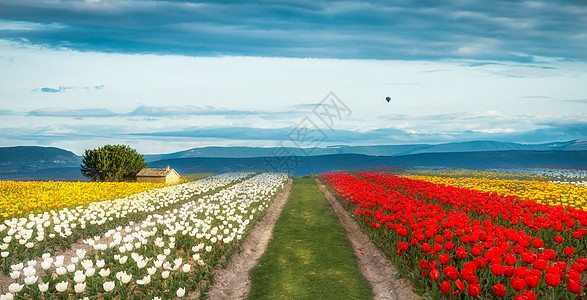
(164, 76)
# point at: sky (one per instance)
(166, 76)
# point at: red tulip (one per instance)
(496, 269)
(552, 279)
(521, 272)
(449, 246)
(423, 264)
(434, 274)
(510, 259)
(499, 290)
(425, 247)
(517, 283)
(569, 251)
(479, 262)
(508, 271)
(574, 287)
(445, 287)
(528, 257)
(559, 239)
(540, 264)
(474, 289)
(460, 284)
(532, 281)
(537, 243)
(579, 267)
(444, 259)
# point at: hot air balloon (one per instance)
(388, 99)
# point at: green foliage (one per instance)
(112, 163)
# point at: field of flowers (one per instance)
(160, 243)
(459, 242)
(543, 192)
(19, 198)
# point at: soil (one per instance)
(234, 282)
(373, 263)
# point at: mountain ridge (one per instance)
(374, 150)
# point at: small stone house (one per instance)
(158, 175)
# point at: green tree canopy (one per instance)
(112, 163)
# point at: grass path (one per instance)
(309, 255)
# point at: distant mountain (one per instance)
(379, 150)
(302, 165)
(33, 158)
(48, 163)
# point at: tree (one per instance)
(112, 163)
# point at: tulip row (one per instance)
(28, 237)
(540, 191)
(18, 198)
(568, 176)
(452, 241)
(164, 256)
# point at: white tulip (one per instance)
(180, 292)
(100, 263)
(61, 271)
(80, 253)
(146, 280)
(79, 276)
(186, 268)
(4, 254)
(86, 264)
(152, 270)
(46, 264)
(7, 296)
(15, 288)
(90, 272)
(31, 280)
(71, 268)
(15, 274)
(29, 271)
(165, 274)
(62, 286)
(108, 286)
(141, 264)
(31, 263)
(17, 267)
(126, 278)
(158, 263)
(123, 260)
(43, 287)
(80, 288)
(104, 272)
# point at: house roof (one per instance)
(155, 172)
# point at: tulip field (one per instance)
(160, 243)
(474, 237)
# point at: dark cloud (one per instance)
(480, 30)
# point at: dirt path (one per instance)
(373, 263)
(234, 282)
